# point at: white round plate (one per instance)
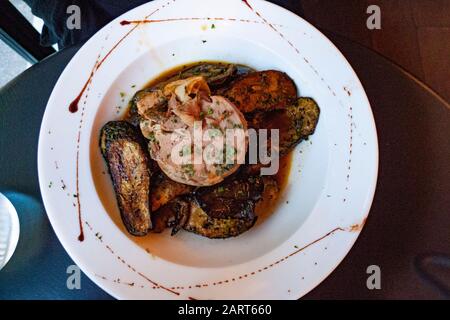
(331, 185)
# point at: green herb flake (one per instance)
(185, 151)
(152, 137)
(214, 133)
(188, 169)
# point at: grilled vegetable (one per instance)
(235, 198)
(124, 151)
(215, 74)
(262, 91)
(185, 213)
(309, 112)
(201, 223)
(165, 190)
(223, 211)
(133, 115)
(296, 123)
(173, 215)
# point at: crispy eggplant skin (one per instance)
(235, 198)
(262, 91)
(124, 150)
(133, 116)
(185, 213)
(309, 112)
(296, 122)
(215, 74)
(164, 190)
(172, 215)
(219, 212)
(201, 223)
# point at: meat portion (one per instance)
(222, 211)
(124, 150)
(189, 140)
(262, 91)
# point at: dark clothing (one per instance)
(94, 15)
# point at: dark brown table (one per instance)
(407, 234)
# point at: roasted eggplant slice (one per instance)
(172, 215)
(185, 213)
(262, 91)
(235, 198)
(215, 74)
(296, 123)
(133, 115)
(139, 106)
(201, 223)
(223, 211)
(124, 151)
(309, 112)
(165, 190)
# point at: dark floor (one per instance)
(415, 33)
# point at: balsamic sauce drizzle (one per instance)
(74, 106)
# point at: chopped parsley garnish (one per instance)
(188, 169)
(151, 137)
(185, 151)
(214, 133)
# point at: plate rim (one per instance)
(367, 203)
